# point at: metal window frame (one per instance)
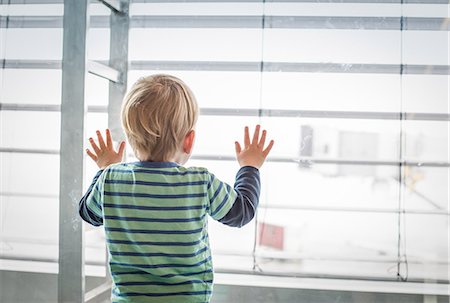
(71, 275)
(119, 33)
(114, 5)
(104, 71)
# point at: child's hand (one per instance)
(253, 153)
(105, 155)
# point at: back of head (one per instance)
(157, 114)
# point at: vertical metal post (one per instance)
(120, 23)
(71, 283)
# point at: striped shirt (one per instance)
(155, 220)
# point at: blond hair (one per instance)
(157, 114)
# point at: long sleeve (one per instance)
(247, 187)
(90, 208)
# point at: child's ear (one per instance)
(188, 143)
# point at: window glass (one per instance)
(29, 174)
(215, 89)
(42, 86)
(293, 241)
(42, 131)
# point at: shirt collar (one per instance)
(156, 164)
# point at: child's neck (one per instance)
(180, 158)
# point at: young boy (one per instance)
(155, 211)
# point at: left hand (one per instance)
(104, 153)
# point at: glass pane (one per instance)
(42, 131)
(426, 188)
(98, 44)
(29, 174)
(215, 89)
(197, 44)
(333, 8)
(360, 187)
(322, 243)
(95, 251)
(427, 140)
(425, 47)
(97, 90)
(314, 45)
(18, 242)
(42, 86)
(439, 10)
(214, 139)
(45, 43)
(197, 9)
(331, 92)
(426, 93)
(327, 138)
(427, 248)
(35, 10)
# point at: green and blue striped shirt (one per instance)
(155, 220)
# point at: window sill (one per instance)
(332, 284)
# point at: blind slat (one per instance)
(286, 22)
(292, 67)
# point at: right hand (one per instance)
(253, 153)
(104, 154)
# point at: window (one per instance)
(356, 95)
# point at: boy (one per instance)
(155, 210)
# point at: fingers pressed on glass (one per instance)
(268, 148)
(109, 142)
(91, 155)
(101, 142)
(246, 137)
(256, 134)
(262, 141)
(237, 147)
(121, 148)
(94, 146)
